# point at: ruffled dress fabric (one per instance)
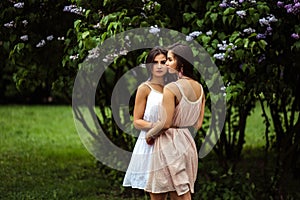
(138, 169)
(175, 158)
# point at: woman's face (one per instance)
(171, 63)
(159, 68)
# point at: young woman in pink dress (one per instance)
(174, 159)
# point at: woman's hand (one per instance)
(150, 140)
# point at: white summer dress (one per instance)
(138, 169)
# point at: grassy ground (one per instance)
(42, 157)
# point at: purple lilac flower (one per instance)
(50, 37)
(261, 36)
(261, 58)
(280, 4)
(295, 36)
(289, 8)
(223, 5)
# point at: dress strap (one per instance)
(180, 88)
(146, 83)
(183, 94)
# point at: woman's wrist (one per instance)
(151, 125)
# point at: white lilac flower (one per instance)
(208, 33)
(24, 37)
(241, 13)
(154, 30)
(249, 30)
(264, 21)
(230, 47)
(74, 9)
(234, 3)
(221, 47)
(50, 37)
(19, 5)
(25, 22)
(74, 57)
(93, 53)
(193, 35)
(9, 24)
(188, 38)
(97, 25)
(41, 43)
(272, 18)
(123, 51)
(219, 56)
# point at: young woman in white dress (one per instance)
(147, 101)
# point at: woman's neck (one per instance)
(157, 80)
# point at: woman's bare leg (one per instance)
(160, 196)
(185, 196)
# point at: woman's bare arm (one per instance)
(139, 108)
(167, 112)
(199, 123)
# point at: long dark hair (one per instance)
(184, 57)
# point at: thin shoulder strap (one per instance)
(180, 89)
(146, 83)
(183, 94)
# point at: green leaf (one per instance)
(296, 45)
(262, 44)
(76, 24)
(85, 34)
(188, 16)
(6, 45)
(214, 17)
(229, 11)
(234, 35)
(246, 42)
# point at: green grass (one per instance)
(42, 157)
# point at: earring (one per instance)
(180, 74)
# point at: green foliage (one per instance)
(249, 41)
(229, 186)
(31, 57)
